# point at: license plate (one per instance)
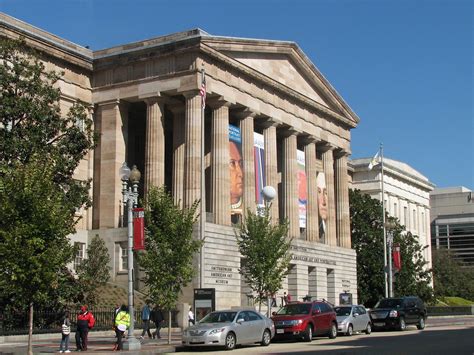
(280, 331)
(379, 324)
(194, 340)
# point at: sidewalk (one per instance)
(99, 343)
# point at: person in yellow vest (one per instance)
(122, 322)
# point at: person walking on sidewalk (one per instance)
(122, 322)
(191, 317)
(85, 322)
(157, 318)
(65, 331)
(146, 320)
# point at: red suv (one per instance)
(305, 319)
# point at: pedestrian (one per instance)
(274, 300)
(65, 331)
(157, 318)
(122, 322)
(191, 320)
(285, 299)
(85, 322)
(146, 320)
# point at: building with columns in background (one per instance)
(271, 118)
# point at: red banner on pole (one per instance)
(138, 229)
(397, 261)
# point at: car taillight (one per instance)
(393, 314)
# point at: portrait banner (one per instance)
(322, 204)
(302, 188)
(236, 172)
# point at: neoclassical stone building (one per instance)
(266, 103)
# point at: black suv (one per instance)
(398, 313)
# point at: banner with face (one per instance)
(302, 188)
(236, 170)
(259, 164)
(322, 203)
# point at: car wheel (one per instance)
(308, 334)
(368, 330)
(402, 325)
(230, 341)
(350, 330)
(333, 331)
(266, 338)
(421, 323)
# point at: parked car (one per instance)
(305, 319)
(398, 312)
(352, 319)
(229, 328)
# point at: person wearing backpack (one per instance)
(65, 331)
(85, 322)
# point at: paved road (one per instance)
(451, 340)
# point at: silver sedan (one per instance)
(353, 319)
(229, 328)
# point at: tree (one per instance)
(39, 151)
(169, 249)
(93, 272)
(451, 277)
(367, 241)
(265, 249)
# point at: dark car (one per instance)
(397, 313)
(305, 319)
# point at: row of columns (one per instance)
(187, 165)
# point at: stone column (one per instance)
(271, 168)
(192, 155)
(111, 124)
(247, 129)
(178, 152)
(342, 194)
(220, 181)
(328, 166)
(154, 144)
(312, 219)
(290, 186)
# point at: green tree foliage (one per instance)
(265, 248)
(367, 241)
(94, 271)
(169, 248)
(40, 148)
(451, 277)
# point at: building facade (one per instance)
(452, 222)
(270, 118)
(406, 195)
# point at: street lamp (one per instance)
(130, 198)
(268, 194)
(390, 226)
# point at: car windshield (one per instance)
(389, 303)
(297, 308)
(343, 311)
(219, 317)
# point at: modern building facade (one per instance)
(406, 195)
(270, 118)
(452, 222)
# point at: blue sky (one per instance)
(404, 66)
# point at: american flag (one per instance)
(202, 91)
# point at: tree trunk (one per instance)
(169, 327)
(30, 331)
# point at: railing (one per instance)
(49, 321)
(450, 310)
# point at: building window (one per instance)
(80, 254)
(123, 256)
(423, 222)
(414, 220)
(405, 216)
(395, 211)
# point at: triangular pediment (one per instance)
(286, 64)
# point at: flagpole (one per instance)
(203, 177)
(384, 229)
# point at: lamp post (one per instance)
(390, 226)
(130, 198)
(268, 194)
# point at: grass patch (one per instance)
(453, 301)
